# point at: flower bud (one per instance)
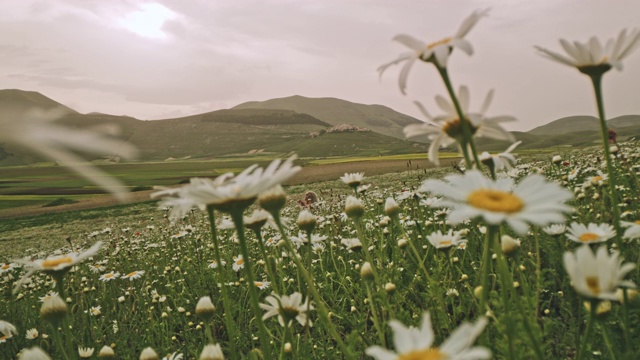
(148, 354)
(556, 159)
(391, 207)
(106, 353)
(306, 221)
(366, 271)
(273, 200)
(53, 310)
(35, 353)
(212, 352)
(205, 308)
(509, 244)
(389, 287)
(354, 207)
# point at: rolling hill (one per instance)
(378, 118)
(573, 124)
(217, 133)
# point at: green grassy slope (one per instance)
(377, 118)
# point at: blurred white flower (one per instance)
(226, 190)
(597, 275)
(503, 160)
(437, 52)
(287, 308)
(36, 131)
(417, 343)
(532, 201)
(448, 127)
(591, 233)
(592, 53)
(633, 229)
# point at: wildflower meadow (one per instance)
(502, 257)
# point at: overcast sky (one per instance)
(170, 58)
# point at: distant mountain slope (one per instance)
(20, 100)
(583, 123)
(217, 133)
(334, 111)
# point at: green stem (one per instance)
(236, 216)
(507, 282)
(322, 307)
(466, 130)
(485, 271)
(228, 316)
(271, 272)
(374, 312)
(607, 340)
(596, 79)
(587, 333)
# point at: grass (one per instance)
(158, 309)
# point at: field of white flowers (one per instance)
(497, 259)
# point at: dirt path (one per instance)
(309, 174)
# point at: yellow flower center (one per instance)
(495, 200)
(595, 179)
(445, 242)
(289, 313)
(133, 273)
(588, 237)
(593, 284)
(637, 222)
(259, 284)
(108, 276)
(428, 354)
(55, 262)
(240, 261)
(453, 128)
(5, 267)
(439, 42)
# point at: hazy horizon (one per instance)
(169, 58)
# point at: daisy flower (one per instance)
(555, 229)
(214, 264)
(6, 267)
(597, 275)
(633, 229)
(448, 128)
(36, 130)
(85, 353)
(443, 241)
(134, 275)
(592, 233)
(592, 54)
(437, 52)
(532, 201)
(174, 356)
(238, 263)
(96, 268)
(32, 334)
(412, 343)
(287, 308)
(56, 265)
(353, 179)
(262, 284)
(352, 244)
(598, 179)
(227, 190)
(109, 276)
(573, 173)
(7, 329)
(503, 160)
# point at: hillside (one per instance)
(573, 124)
(217, 133)
(14, 100)
(378, 118)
